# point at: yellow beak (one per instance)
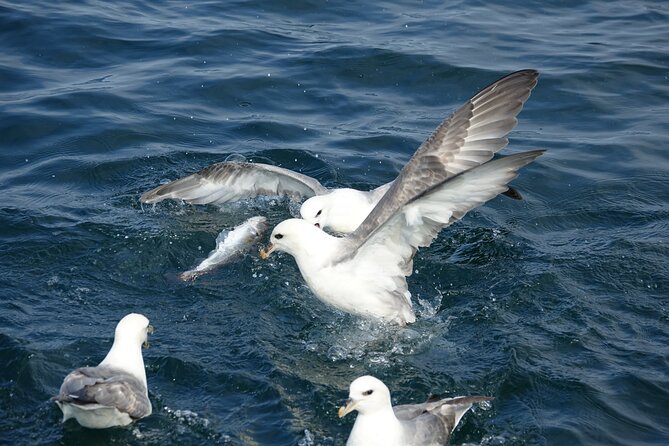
(149, 330)
(266, 251)
(348, 408)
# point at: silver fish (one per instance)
(229, 246)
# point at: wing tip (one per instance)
(513, 193)
(529, 73)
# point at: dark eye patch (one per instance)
(319, 213)
(278, 236)
(367, 392)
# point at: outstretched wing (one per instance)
(474, 132)
(232, 181)
(433, 422)
(419, 221)
(468, 138)
(107, 387)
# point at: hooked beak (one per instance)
(266, 251)
(149, 330)
(349, 407)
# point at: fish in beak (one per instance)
(266, 251)
(149, 330)
(348, 408)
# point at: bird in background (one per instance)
(379, 423)
(113, 393)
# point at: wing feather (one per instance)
(468, 138)
(107, 387)
(433, 422)
(232, 181)
(417, 223)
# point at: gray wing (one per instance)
(433, 422)
(107, 387)
(417, 222)
(380, 191)
(474, 132)
(426, 429)
(468, 138)
(232, 181)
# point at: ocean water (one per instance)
(558, 306)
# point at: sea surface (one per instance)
(557, 306)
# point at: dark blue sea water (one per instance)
(558, 306)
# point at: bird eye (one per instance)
(318, 214)
(278, 236)
(367, 392)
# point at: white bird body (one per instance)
(114, 393)
(356, 286)
(341, 210)
(366, 430)
(95, 416)
(365, 272)
(380, 424)
(125, 353)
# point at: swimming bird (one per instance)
(469, 137)
(380, 424)
(113, 393)
(365, 272)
